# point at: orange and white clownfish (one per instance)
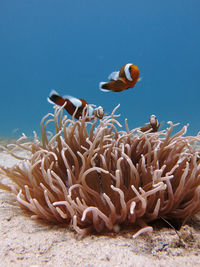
(73, 103)
(152, 126)
(121, 80)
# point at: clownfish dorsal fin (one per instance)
(75, 101)
(114, 76)
(122, 80)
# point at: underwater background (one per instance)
(71, 46)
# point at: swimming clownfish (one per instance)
(121, 80)
(73, 103)
(152, 126)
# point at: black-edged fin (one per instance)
(103, 87)
(53, 96)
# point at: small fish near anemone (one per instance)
(121, 80)
(152, 126)
(100, 178)
(75, 106)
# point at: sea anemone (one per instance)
(98, 178)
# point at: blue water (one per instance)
(72, 45)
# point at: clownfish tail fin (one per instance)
(54, 98)
(103, 86)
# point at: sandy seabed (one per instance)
(25, 242)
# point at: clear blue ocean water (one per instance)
(72, 45)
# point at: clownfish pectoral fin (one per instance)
(103, 86)
(114, 76)
(122, 80)
(139, 79)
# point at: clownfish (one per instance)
(121, 80)
(152, 126)
(73, 103)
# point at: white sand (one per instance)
(25, 242)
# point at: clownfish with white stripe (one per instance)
(121, 80)
(152, 126)
(73, 104)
